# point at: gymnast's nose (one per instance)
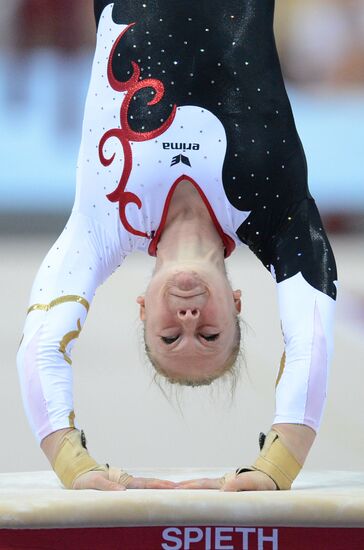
(186, 314)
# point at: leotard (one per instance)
(185, 90)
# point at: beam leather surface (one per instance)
(36, 500)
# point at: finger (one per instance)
(200, 480)
(249, 481)
(186, 481)
(102, 484)
(236, 484)
(203, 483)
(150, 483)
(98, 482)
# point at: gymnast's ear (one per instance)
(237, 300)
(141, 301)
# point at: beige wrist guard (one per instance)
(276, 461)
(73, 460)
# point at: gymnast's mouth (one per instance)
(186, 285)
(187, 295)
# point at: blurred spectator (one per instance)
(8, 12)
(46, 32)
(322, 42)
(66, 25)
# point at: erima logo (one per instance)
(183, 146)
(180, 158)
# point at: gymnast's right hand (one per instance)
(101, 482)
(66, 451)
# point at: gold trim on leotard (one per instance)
(21, 340)
(58, 301)
(72, 335)
(281, 368)
(71, 419)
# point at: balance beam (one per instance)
(324, 510)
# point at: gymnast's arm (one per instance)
(305, 270)
(81, 259)
(60, 300)
(299, 255)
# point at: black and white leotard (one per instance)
(192, 91)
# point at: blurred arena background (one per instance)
(46, 52)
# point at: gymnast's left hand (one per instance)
(247, 481)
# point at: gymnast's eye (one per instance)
(209, 337)
(169, 339)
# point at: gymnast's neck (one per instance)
(189, 236)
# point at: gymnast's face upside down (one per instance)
(192, 332)
(189, 310)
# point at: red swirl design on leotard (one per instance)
(125, 134)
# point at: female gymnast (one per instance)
(189, 149)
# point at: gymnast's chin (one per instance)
(189, 310)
